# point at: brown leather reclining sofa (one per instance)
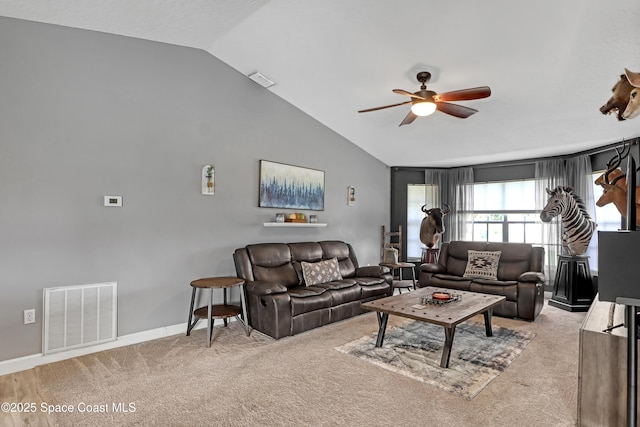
(279, 302)
(520, 276)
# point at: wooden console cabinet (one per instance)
(602, 376)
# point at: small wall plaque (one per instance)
(208, 180)
(351, 196)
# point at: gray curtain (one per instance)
(579, 176)
(456, 190)
(575, 172)
(440, 178)
(549, 174)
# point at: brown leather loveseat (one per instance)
(286, 288)
(520, 276)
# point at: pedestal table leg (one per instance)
(189, 325)
(382, 321)
(487, 322)
(245, 317)
(448, 342)
(224, 301)
(209, 320)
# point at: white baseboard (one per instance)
(29, 362)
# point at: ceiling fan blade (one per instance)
(455, 110)
(409, 118)
(383, 107)
(407, 93)
(464, 94)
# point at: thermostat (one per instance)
(115, 201)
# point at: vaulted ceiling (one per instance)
(550, 64)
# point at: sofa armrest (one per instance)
(433, 268)
(427, 271)
(531, 276)
(261, 288)
(372, 271)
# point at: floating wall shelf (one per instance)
(295, 224)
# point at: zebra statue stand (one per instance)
(573, 288)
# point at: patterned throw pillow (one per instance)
(482, 264)
(321, 272)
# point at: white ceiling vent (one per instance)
(261, 80)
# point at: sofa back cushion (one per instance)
(456, 260)
(343, 252)
(272, 262)
(281, 262)
(514, 260)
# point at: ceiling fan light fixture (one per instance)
(423, 108)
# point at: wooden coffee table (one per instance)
(447, 315)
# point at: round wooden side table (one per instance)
(401, 284)
(217, 311)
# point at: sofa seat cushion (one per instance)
(345, 295)
(336, 284)
(369, 281)
(304, 302)
(306, 291)
(508, 289)
(491, 282)
(452, 278)
(374, 290)
(450, 281)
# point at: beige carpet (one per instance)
(296, 381)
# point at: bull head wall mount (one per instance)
(432, 225)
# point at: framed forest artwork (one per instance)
(290, 187)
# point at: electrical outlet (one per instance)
(30, 316)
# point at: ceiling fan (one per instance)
(425, 102)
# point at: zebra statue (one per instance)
(576, 222)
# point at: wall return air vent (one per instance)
(79, 316)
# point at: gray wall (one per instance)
(85, 114)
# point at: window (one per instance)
(418, 195)
(505, 212)
(507, 227)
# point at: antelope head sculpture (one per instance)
(614, 183)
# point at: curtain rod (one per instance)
(632, 141)
(592, 151)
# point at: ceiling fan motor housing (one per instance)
(426, 94)
(423, 76)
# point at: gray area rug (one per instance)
(414, 349)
